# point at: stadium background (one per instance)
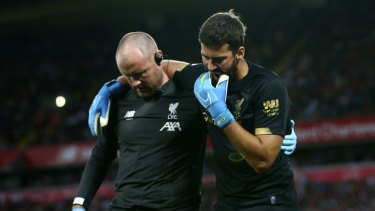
(324, 49)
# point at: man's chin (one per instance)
(145, 93)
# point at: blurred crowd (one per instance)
(333, 75)
(328, 67)
(49, 69)
(334, 196)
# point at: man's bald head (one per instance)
(134, 45)
(135, 57)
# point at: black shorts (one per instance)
(142, 208)
(286, 201)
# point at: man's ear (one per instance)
(240, 53)
(158, 57)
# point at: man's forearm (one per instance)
(259, 151)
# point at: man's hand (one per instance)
(100, 106)
(78, 208)
(213, 98)
(290, 141)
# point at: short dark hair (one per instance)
(222, 28)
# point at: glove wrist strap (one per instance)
(224, 119)
(78, 209)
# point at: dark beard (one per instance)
(218, 72)
(233, 69)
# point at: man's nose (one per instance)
(135, 82)
(210, 65)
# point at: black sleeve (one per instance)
(103, 153)
(272, 107)
(187, 76)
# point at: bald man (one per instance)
(156, 130)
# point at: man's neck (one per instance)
(242, 69)
(164, 79)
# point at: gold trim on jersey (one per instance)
(263, 131)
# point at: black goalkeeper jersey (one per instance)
(260, 103)
(160, 144)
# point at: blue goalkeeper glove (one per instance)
(213, 98)
(78, 209)
(100, 106)
(290, 141)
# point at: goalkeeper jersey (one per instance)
(260, 103)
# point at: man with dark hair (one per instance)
(250, 119)
(246, 109)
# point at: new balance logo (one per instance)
(171, 126)
(129, 114)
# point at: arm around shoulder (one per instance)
(171, 66)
